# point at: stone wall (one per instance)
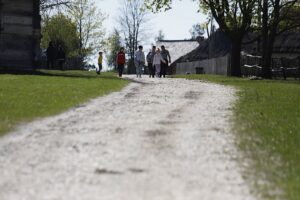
(218, 65)
(19, 34)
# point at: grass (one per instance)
(267, 119)
(25, 97)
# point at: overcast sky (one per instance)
(174, 23)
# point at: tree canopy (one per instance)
(113, 46)
(62, 31)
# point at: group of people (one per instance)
(55, 54)
(158, 61)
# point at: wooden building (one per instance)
(20, 34)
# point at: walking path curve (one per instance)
(157, 139)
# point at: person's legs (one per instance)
(140, 70)
(137, 70)
(164, 68)
(151, 69)
(152, 73)
(120, 68)
(157, 70)
(99, 68)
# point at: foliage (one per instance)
(89, 22)
(113, 46)
(27, 97)
(198, 30)
(50, 4)
(60, 30)
(292, 19)
(157, 5)
(267, 123)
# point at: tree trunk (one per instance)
(235, 59)
(266, 51)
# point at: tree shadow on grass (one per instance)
(58, 73)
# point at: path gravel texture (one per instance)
(157, 139)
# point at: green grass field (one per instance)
(267, 119)
(24, 97)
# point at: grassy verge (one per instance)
(267, 118)
(25, 97)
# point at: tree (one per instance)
(48, 4)
(198, 30)
(113, 46)
(278, 16)
(234, 18)
(132, 22)
(62, 31)
(89, 23)
(160, 36)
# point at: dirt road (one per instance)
(158, 139)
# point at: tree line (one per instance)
(77, 25)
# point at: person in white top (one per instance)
(139, 60)
(157, 59)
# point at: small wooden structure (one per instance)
(20, 34)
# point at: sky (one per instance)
(175, 23)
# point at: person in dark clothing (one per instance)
(167, 58)
(150, 56)
(121, 59)
(61, 57)
(50, 55)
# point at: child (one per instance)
(157, 60)
(121, 61)
(100, 59)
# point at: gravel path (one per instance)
(158, 139)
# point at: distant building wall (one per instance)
(19, 34)
(218, 65)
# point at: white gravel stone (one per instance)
(157, 139)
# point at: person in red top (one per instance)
(121, 61)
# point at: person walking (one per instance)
(139, 60)
(50, 56)
(150, 57)
(157, 60)
(100, 60)
(61, 57)
(121, 59)
(167, 58)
